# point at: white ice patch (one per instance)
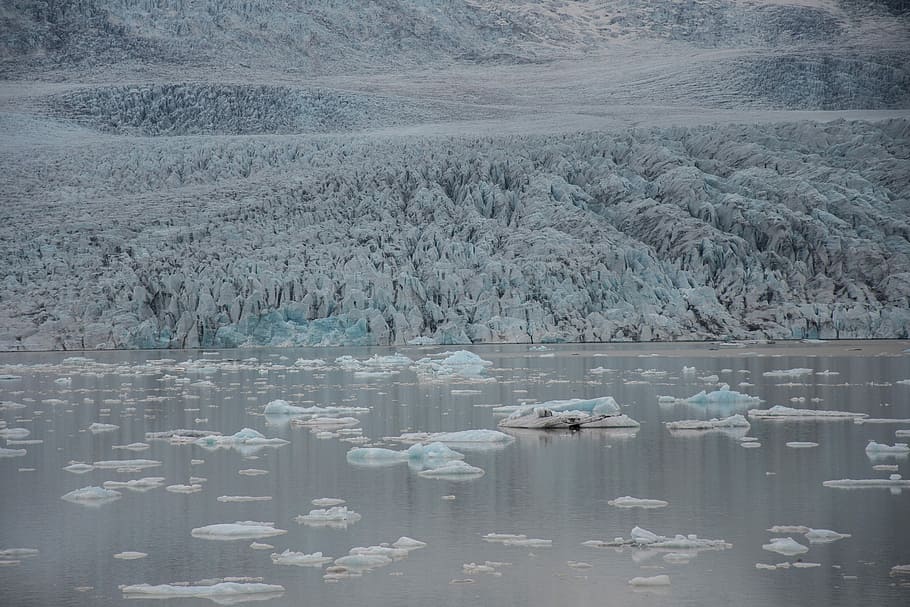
(327, 502)
(782, 412)
(635, 502)
(786, 546)
(734, 421)
(300, 559)
(4, 452)
(132, 447)
(653, 581)
(14, 433)
(875, 450)
(130, 555)
(338, 517)
(893, 482)
(223, 593)
(788, 373)
(241, 530)
(453, 470)
(98, 427)
(140, 484)
(801, 444)
(92, 496)
(235, 499)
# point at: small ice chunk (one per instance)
(900, 570)
(4, 452)
(18, 553)
(300, 559)
(336, 516)
(261, 546)
(224, 593)
(92, 495)
(130, 556)
(230, 499)
(192, 488)
(139, 484)
(98, 427)
(874, 448)
(824, 536)
(327, 502)
(788, 373)
(133, 464)
(363, 561)
(790, 529)
(252, 472)
(635, 502)
(657, 580)
(782, 412)
(801, 444)
(132, 447)
(734, 421)
(79, 468)
(453, 470)
(886, 467)
(805, 565)
(894, 482)
(14, 433)
(408, 543)
(241, 530)
(786, 546)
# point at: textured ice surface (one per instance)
(722, 396)
(782, 412)
(644, 537)
(786, 546)
(336, 516)
(241, 530)
(245, 438)
(874, 449)
(788, 373)
(223, 593)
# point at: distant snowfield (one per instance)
(508, 172)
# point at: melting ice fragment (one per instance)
(14, 433)
(723, 396)
(786, 546)
(338, 517)
(824, 536)
(300, 559)
(635, 502)
(782, 412)
(283, 407)
(132, 447)
(408, 543)
(876, 450)
(789, 373)
(453, 470)
(130, 555)
(734, 421)
(241, 530)
(122, 464)
(140, 484)
(98, 427)
(461, 363)
(893, 482)
(4, 452)
(246, 437)
(92, 496)
(801, 444)
(223, 593)
(657, 580)
(603, 412)
(327, 502)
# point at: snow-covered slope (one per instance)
(202, 172)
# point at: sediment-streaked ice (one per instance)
(782, 412)
(300, 559)
(92, 495)
(223, 593)
(786, 546)
(241, 530)
(453, 470)
(635, 502)
(603, 412)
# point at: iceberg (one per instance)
(877, 450)
(223, 593)
(300, 559)
(723, 396)
(462, 364)
(782, 412)
(603, 412)
(408, 543)
(241, 530)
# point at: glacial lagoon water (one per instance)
(552, 485)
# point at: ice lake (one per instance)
(548, 485)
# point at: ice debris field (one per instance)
(280, 464)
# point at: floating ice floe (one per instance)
(788, 373)
(241, 530)
(323, 422)
(18, 553)
(469, 440)
(461, 364)
(252, 472)
(900, 570)
(4, 452)
(300, 559)
(734, 421)
(186, 489)
(801, 444)
(14, 433)
(635, 502)
(902, 433)
(180, 435)
(98, 427)
(488, 567)
(824, 536)
(132, 447)
(603, 412)
(223, 593)
(92, 496)
(782, 412)
(79, 468)
(882, 420)
(283, 407)
(408, 543)
(338, 517)
(245, 438)
(236, 499)
(893, 482)
(520, 540)
(878, 450)
(139, 484)
(786, 546)
(261, 546)
(657, 580)
(130, 555)
(453, 470)
(126, 464)
(327, 502)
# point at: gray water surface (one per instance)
(551, 485)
